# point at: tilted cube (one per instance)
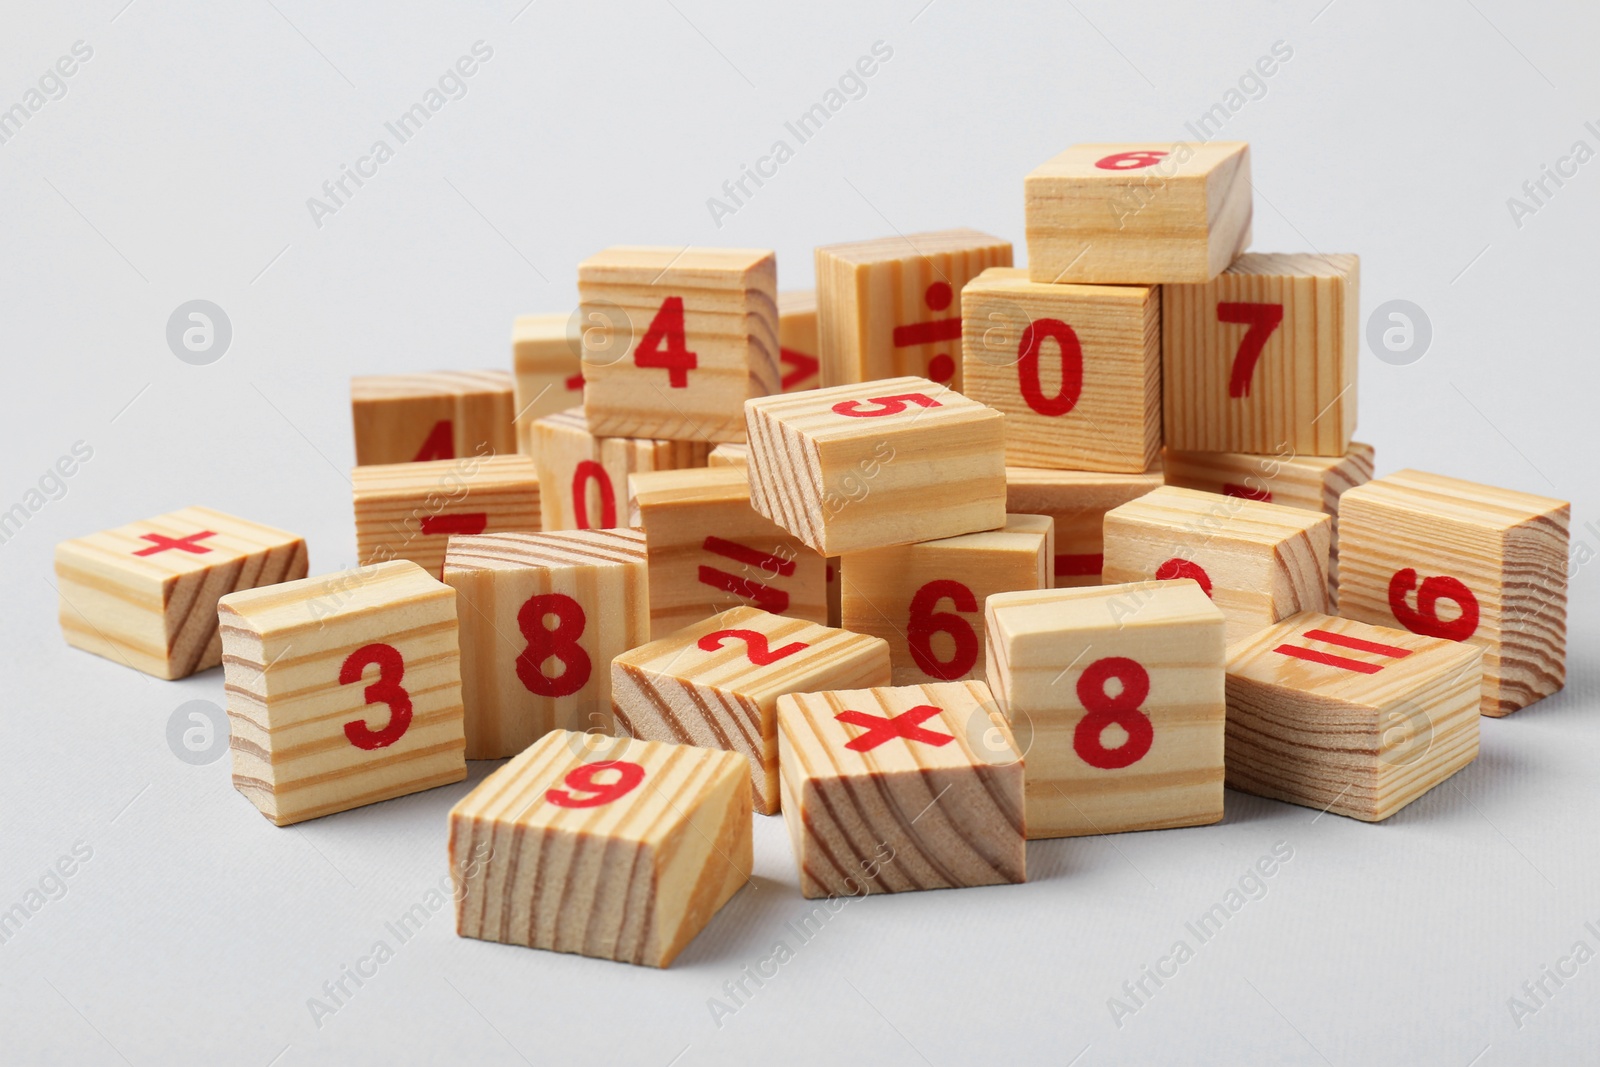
(797, 340)
(545, 362)
(1077, 502)
(410, 510)
(414, 418)
(584, 478)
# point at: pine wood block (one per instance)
(891, 306)
(716, 684)
(584, 478)
(1454, 559)
(145, 594)
(877, 464)
(797, 340)
(1138, 213)
(729, 455)
(893, 789)
(682, 338)
(409, 510)
(343, 690)
(405, 418)
(926, 600)
(1347, 717)
(1262, 359)
(1077, 502)
(710, 551)
(1116, 693)
(547, 371)
(1259, 562)
(618, 850)
(1075, 368)
(541, 617)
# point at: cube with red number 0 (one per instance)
(583, 479)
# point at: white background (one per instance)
(178, 165)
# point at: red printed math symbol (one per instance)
(891, 405)
(574, 383)
(1356, 644)
(756, 649)
(676, 359)
(1424, 618)
(560, 643)
(1106, 710)
(161, 543)
(439, 444)
(938, 296)
(462, 522)
(1261, 319)
(385, 690)
(1130, 160)
(586, 471)
(1184, 568)
(761, 595)
(801, 368)
(582, 780)
(924, 622)
(907, 724)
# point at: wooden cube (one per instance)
(146, 594)
(711, 551)
(913, 787)
(1263, 358)
(1346, 717)
(409, 510)
(619, 851)
(716, 683)
(729, 455)
(1138, 213)
(546, 364)
(584, 479)
(1077, 502)
(926, 600)
(1116, 694)
(877, 464)
(681, 338)
(891, 306)
(797, 341)
(414, 418)
(1259, 562)
(1454, 559)
(1076, 369)
(343, 690)
(541, 617)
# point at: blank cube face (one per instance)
(926, 600)
(1263, 359)
(877, 464)
(1258, 562)
(716, 684)
(541, 617)
(1077, 502)
(1355, 719)
(584, 478)
(1075, 368)
(1138, 213)
(913, 787)
(1453, 559)
(891, 307)
(729, 455)
(610, 848)
(145, 594)
(545, 361)
(343, 690)
(675, 340)
(414, 418)
(410, 510)
(1117, 695)
(797, 341)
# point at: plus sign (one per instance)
(907, 724)
(161, 542)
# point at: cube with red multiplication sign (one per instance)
(414, 418)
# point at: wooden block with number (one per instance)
(145, 594)
(1347, 717)
(1108, 214)
(343, 690)
(1077, 502)
(584, 479)
(877, 464)
(1454, 559)
(541, 617)
(797, 340)
(892, 789)
(544, 361)
(1116, 695)
(1262, 359)
(683, 337)
(413, 418)
(891, 306)
(409, 510)
(1075, 368)
(926, 600)
(1259, 562)
(606, 847)
(716, 683)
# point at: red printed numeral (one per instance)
(385, 690)
(582, 780)
(1130, 160)
(761, 595)
(1262, 319)
(586, 471)
(463, 522)
(1424, 618)
(1028, 379)
(756, 649)
(560, 643)
(440, 443)
(924, 622)
(891, 405)
(1120, 710)
(676, 359)
(1184, 568)
(1329, 659)
(907, 724)
(801, 367)
(162, 543)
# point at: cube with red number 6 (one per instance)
(583, 479)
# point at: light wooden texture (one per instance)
(546, 365)
(1076, 369)
(405, 418)
(712, 312)
(716, 684)
(800, 364)
(729, 455)
(877, 464)
(930, 797)
(1181, 216)
(711, 551)
(409, 510)
(926, 600)
(1346, 717)
(541, 617)
(1259, 562)
(1300, 396)
(891, 306)
(1077, 502)
(145, 594)
(542, 854)
(584, 479)
(343, 690)
(1116, 696)
(1429, 554)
